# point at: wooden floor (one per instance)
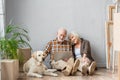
(100, 74)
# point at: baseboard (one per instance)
(101, 64)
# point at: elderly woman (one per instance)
(82, 51)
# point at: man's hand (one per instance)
(65, 59)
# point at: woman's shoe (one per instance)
(91, 68)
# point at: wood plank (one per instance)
(119, 65)
(108, 25)
(116, 32)
(111, 11)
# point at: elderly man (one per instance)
(61, 54)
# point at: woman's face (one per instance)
(73, 39)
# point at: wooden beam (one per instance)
(119, 65)
(111, 9)
(108, 42)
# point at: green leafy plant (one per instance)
(15, 37)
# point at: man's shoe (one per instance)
(91, 68)
(68, 68)
(70, 61)
(75, 66)
(67, 71)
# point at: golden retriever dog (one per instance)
(35, 66)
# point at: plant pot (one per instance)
(9, 69)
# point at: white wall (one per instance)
(44, 17)
(2, 17)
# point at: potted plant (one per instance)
(15, 37)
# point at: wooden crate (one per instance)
(26, 53)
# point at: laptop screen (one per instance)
(62, 55)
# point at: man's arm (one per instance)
(47, 49)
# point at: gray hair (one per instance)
(74, 34)
(63, 29)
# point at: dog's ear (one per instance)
(34, 55)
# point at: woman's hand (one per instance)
(84, 58)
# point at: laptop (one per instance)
(62, 55)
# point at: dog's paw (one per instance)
(39, 76)
(34, 75)
(51, 70)
(54, 70)
(55, 74)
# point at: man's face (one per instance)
(61, 35)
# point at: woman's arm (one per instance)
(87, 49)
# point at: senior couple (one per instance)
(72, 55)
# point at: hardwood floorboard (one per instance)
(100, 74)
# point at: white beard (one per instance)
(60, 40)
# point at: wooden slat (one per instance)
(108, 42)
(111, 11)
(119, 65)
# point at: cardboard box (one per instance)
(26, 53)
(9, 69)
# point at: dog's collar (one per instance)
(37, 62)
